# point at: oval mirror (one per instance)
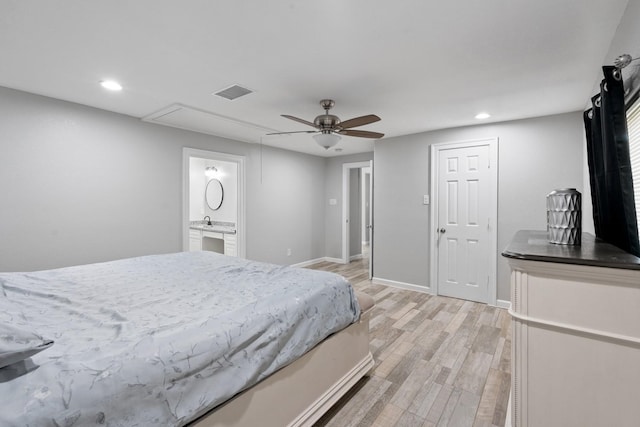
(214, 194)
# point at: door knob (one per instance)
(442, 230)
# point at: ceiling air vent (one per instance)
(233, 92)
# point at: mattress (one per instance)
(159, 340)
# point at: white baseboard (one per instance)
(308, 263)
(427, 290)
(501, 303)
(402, 285)
(315, 261)
(355, 257)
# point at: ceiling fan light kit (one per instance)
(327, 140)
(330, 127)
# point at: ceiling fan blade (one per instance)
(359, 121)
(298, 131)
(296, 119)
(361, 133)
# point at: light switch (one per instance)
(333, 202)
(425, 199)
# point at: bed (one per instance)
(193, 338)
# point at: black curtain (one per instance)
(614, 210)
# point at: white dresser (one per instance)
(576, 333)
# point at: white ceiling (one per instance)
(418, 64)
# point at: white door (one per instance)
(464, 229)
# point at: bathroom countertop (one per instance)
(215, 227)
(534, 246)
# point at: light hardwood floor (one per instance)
(439, 361)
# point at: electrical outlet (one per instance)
(425, 199)
(289, 252)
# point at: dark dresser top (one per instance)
(534, 246)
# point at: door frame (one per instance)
(187, 153)
(346, 169)
(493, 211)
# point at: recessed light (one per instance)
(111, 85)
(482, 116)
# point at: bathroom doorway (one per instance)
(357, 211)
(224, 217)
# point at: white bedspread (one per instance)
(160, 340)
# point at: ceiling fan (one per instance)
(329, 127)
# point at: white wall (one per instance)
(535, 157)
(83, 185)
(197, 186)
(228, 177)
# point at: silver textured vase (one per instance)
(564, 216)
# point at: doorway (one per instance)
(464, 186)
(231, 172)
(357, 213)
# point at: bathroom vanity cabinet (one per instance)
(215, 241)
(575, 333)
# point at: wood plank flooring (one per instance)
(439, 361)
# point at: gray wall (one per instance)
(83, 185)
(285, 206)
(333, 190)
(535, 156)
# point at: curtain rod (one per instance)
(632, 91)
(620, 62)
(623, 60)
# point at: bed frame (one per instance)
(300, 393)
